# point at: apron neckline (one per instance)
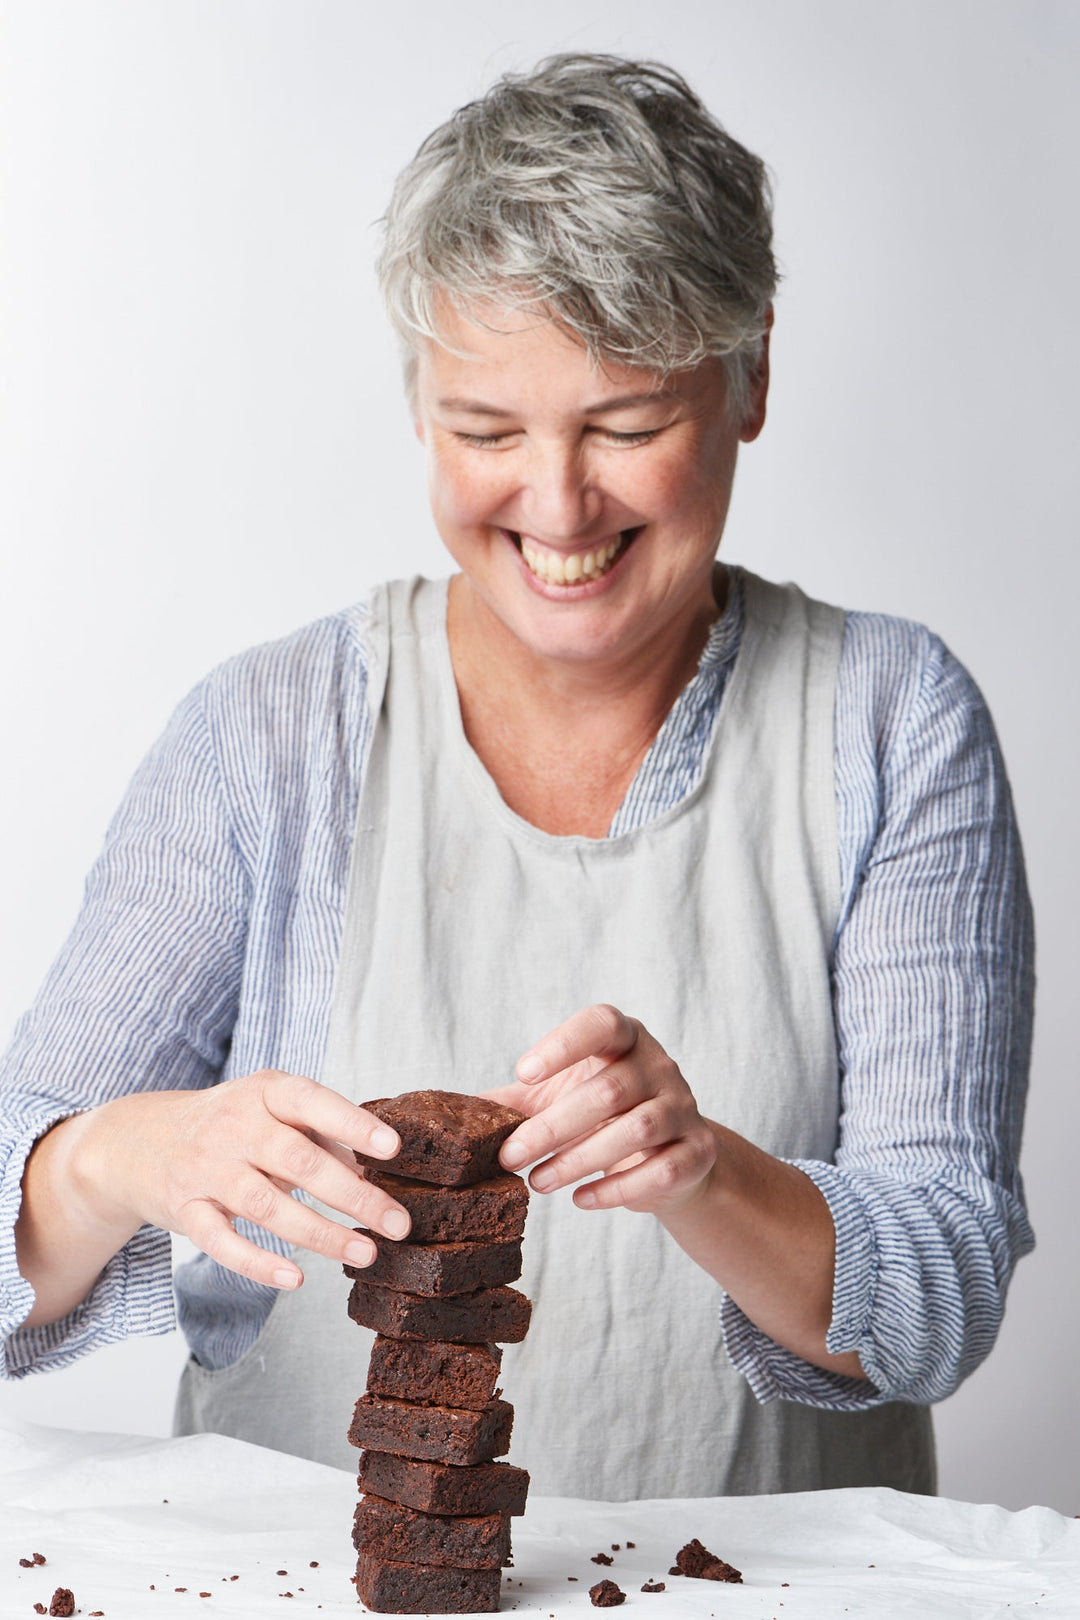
(484, 785)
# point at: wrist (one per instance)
(84, 1171)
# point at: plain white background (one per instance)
(204, 443)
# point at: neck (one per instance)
(636, 689)
(563, 740)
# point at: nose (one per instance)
(559, 499)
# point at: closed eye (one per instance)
(485, 441)
(642, 437)
(481, 441)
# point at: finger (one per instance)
(295, 1100)
(511, 1096)
(613, 1090)
(342, 1154)
(643, 1129)
(663, 1178)
(211, 1230)
(298, 1160)
(258, 1200)
(600, 1031)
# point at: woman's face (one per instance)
(583, 506)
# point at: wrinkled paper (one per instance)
(115, 1515)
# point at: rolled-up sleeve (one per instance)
(142, 997)
(933, 986)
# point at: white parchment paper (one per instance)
(124, 1521)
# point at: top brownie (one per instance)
(446, 1137)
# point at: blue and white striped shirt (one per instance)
(208, 938)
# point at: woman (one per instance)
(748, 861)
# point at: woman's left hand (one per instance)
(604, 1099)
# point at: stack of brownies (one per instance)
(432, 1528)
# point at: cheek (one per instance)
(672, 492)
(693, 491)
(461, 492)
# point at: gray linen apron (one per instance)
(468, 933)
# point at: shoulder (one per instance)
(279, 719)
(900, 688)
(325, 656)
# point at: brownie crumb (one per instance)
(630, 1544)
(696, 1560)
(26, 1563)
(39, 1608)
(654, 1586)
(205, 1594)
(63, 1601)
(601, 1558)
(97, 1614)
(615, 1547)
(38, 1558)
(281, 1572)
(314, 1564)
(606, 1595)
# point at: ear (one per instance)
(754, 420)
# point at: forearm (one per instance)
(66, 1232)
(763, 1230)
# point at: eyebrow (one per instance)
(476, 407)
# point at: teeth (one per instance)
(555, 569)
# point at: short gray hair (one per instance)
(603, 193)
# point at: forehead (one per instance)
(515, 359)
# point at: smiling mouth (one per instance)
(575, 567)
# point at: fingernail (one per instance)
(541, 1179)
(396, 1223)
(359, 1253)
(287, 1279)
(585, 1199)
(384, 1140)
(530, 1068)
(512, 1155)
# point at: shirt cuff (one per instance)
(774, 1373)
(132, 1297)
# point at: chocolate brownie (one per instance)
(445, 1136)
(438, 1433)
(440, 1269)
(474, 1541)
(694, 1559)
(434, 1374)
(431, 1487)
(484, 1212)
(488, 1316)
(391, 1588)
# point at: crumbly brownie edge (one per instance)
(434, 1372)
(483, 1211)
(432, 1433)
(388, 1587)
(490, 1315)
(441, 1488)
(386, 1529)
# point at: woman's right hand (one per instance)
(192, 1162)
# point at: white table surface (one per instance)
(117, 1514)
